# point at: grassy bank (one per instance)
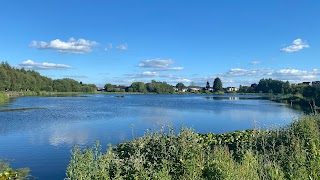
(292, 152)
(3, 97)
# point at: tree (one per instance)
(159, 87)
(312, 94)
(138, 87)
(180, 86)
(108, 87)
(208, 86)
(217, 85)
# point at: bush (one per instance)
(3, 97)
(291, 152)
(6, 172)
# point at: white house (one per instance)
(231, 89)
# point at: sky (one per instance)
(125, 41)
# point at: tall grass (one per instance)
(3, 97)
(291, 152)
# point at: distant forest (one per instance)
(15, 79)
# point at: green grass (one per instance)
(291, 152)
(3, 97)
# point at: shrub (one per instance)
(291, 152)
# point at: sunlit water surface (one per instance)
(39, 132)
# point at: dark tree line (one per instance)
(272, 86)
(15, 79)
(151, 87)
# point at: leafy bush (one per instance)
(291, 152)
(6, 172)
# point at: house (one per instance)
(178, 90)
(316, 83)
(305, 84)
(118, 88)
(100, 88)
(231, 89)
(194, 89)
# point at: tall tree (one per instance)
(138, 87)
(217, 84)
(208, 85)
(180, 86)
(108, 87)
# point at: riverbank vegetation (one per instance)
(15, 79)
(6, 172)
(3, 97)
(291, 152)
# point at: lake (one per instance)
(39, 132)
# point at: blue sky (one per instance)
(122, 41)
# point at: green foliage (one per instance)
(108, 87)
(180, 86)
(273, 86)
(14, 79)
(159, 87)
(138, 87)
(292, 152)
(3, 97)
(217, 85)
(6, 172)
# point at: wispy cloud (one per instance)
(160, 65)
(30, 64)
(255, 62)
(145, 74)
(76, 76)
(297, 45)
(122, 47)
(110, 46)
(72, 46)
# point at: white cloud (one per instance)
(288, 74)
(149, 73)
(76, 76)
(122, 47)
(297, 45)
(29, 64)
(146, 74)
(255, 62)
(160, 65)
(73, 46)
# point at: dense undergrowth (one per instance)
(291, 152)
(3, 97)
(6, 172)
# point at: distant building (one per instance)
(177, 90)
(118, 88)
(305, 84)
(231, 89)
(316, 83)
(100, 89)
(194, 89)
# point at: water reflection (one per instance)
(69, 136)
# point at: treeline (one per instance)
(272, 86)
(15, 79)
(309, 94)
(140, 87)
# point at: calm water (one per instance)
(41, 138)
